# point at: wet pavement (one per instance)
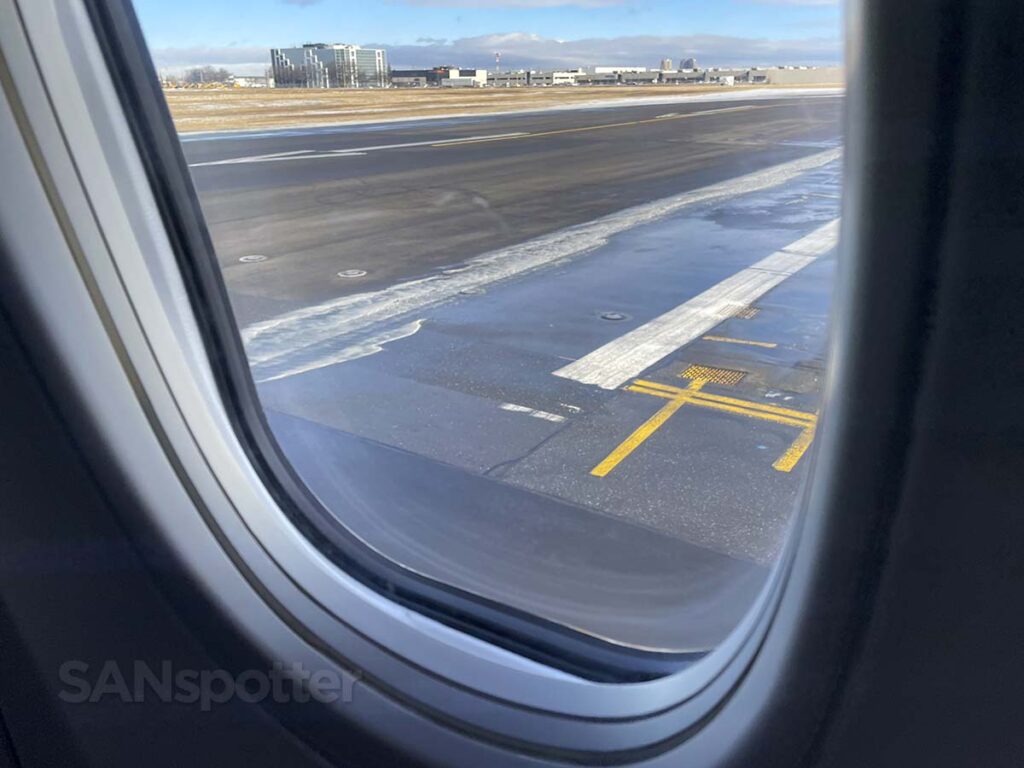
(395, 201)
(647, 513)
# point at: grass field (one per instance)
(241, 108)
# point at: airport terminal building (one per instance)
(338, 65)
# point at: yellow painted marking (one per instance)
(750, 404)
(669, 391)
(701, 402)
(751, 412)
(793, 454)
(655, 392)
(723, 376)
(665, 387)
(748, 342)
(643, 432)
(581, 129)
(677, 397)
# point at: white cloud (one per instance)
(524, 50)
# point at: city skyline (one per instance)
(527, 33)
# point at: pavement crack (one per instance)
(498, 469)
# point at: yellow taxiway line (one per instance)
(678, 397)
(788, 460)
(775, 410)
(645, 430)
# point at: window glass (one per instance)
(534, 295)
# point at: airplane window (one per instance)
(535, 296)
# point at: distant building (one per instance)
(666, 65)
(446, 76)
(318, 65)
(617, 70)
(690, 63)
(640, 78)
(418, 78)
(513, 79)
(567, 77)
(684, 77)
(594, 78)
(410, 78)
(464, 78)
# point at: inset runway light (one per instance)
(614, 316)
(352, 273)
(252, 259)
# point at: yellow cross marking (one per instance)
(645, 430)
(678, 397)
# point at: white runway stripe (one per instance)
(310, 154)
(628, 356)
(255, 158)
(270, 342)
(532, 412)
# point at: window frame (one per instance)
(291, 599)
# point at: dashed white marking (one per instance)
(254, 158)
(620, 360)
(272, 342)
(311, 154)
(532, 412)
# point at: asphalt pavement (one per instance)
(572, 361)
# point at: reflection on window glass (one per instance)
(535, 296)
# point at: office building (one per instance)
(319, 65)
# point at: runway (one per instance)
(569, 361)
(442, 191)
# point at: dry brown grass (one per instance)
(241, 108)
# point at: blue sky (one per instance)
(235, 33)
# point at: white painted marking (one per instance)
(367, 347)
(532, 412)
(626, 357)
(572, 408)
(435, 142)
(271, 341)
(254, 158)
(312, 154)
